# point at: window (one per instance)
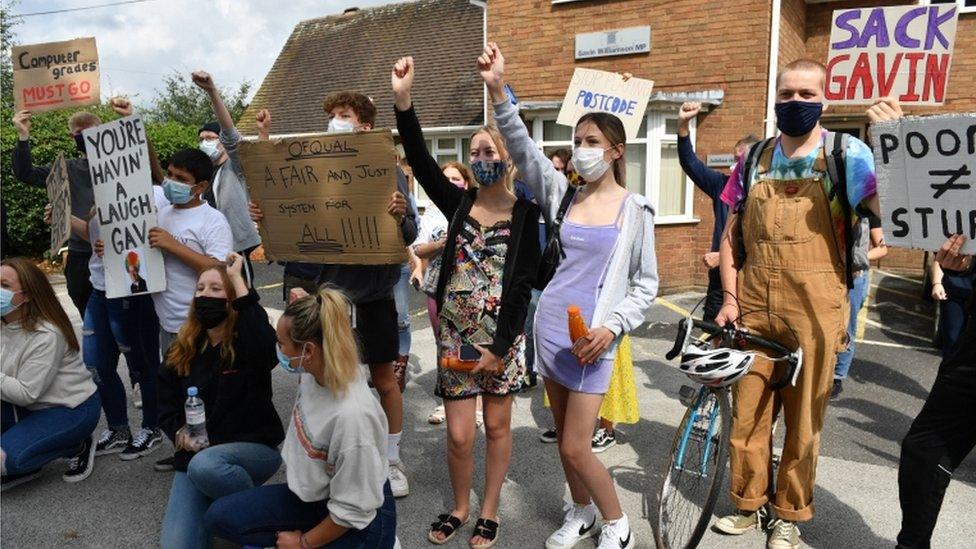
(965, 6)
(652, 167)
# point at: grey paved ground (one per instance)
(121, 505)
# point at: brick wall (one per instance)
(959, 94)
(792, 31)
(695, 45)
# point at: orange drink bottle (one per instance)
(453, 362)
(577, 327)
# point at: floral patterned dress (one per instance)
(472, 301)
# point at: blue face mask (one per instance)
(488, 172)
(7, 301)
(176, 192)
(285, 361)
(797, 118)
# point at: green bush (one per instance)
(24, 204)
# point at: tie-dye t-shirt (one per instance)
(861, 184)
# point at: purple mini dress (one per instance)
(577, 281)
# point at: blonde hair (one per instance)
(804, 64)
(43, 304)
(189, 340)
(83, 120)
(499, 142)
(323, 318)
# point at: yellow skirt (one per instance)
(620, 403)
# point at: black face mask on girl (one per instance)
(210, 311)
(79, 142)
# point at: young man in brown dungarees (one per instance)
(790, 225)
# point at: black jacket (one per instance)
(522, 257)
(236, 397)
(79, 179)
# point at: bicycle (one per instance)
(696, 468)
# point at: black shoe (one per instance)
(145, 441)
(603, 440)
(837, 390)
(9, 481)
(112, 441)
(164, 465)
(549, 436)
(82, 464)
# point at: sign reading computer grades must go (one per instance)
(926, 169)
(56, 75)
(902, 52)
(325, 197)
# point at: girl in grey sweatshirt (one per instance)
(335, 450)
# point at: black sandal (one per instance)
(487, 529)
(446, 524)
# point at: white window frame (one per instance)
(960, 4)
(654, 138)
(419, 194)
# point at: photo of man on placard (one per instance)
(133, 266)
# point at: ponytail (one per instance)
(323, 318)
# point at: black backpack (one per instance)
(553, 252)
(836, 171)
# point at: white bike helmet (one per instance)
(715, 367)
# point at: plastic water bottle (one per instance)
(196, 419)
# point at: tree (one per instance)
(183, 103)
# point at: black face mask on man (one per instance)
(797, 118)
(79, 142)
(210, 311)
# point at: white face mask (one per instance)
(210, 148)
(589, 163)
(338, 125)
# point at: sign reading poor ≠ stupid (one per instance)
(600, 91)
(325, 197)
(926, 183)
(56, 75)
(902, 52)
(118, 161)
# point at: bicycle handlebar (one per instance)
(732, 336)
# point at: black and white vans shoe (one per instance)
(145, 441)
(82, 464)
(112, 441)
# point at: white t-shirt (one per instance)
(205, 231)
(96, 265)
(433, 227)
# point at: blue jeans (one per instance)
(529, 333)
(126, 325)
(253, 518)
(401, 294)
(32, 439)
(857, 295)
(213, 473)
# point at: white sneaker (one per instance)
(784, 535)
(398, 480)
(616, 535)
(579, 524)
(396, 543)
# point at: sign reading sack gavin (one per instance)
(59, 197)
(118, 160)
(926, 182)
(325, 197)
(600, 91)
(56, 75)
(901, 52)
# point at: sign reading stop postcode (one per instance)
(56, 75)
(925, 168)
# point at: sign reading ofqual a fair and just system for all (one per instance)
(902, 52)
(325, 197)
(56, 75)
(926, 169)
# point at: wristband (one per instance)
(304, 542)
(939, 283)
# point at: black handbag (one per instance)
(553, 252)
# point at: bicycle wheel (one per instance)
(695, 471)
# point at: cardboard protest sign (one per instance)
(325, 197)
(118, 160)
(926, 183)
(901, 52)
(56, 75)
(592, 90)
(59, 196)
